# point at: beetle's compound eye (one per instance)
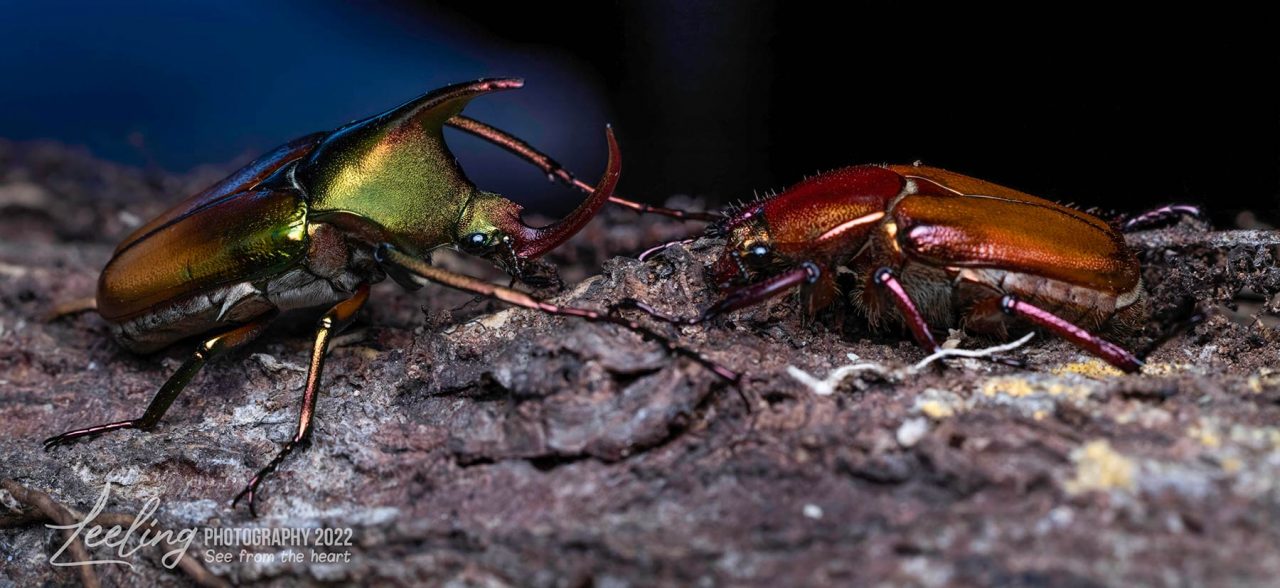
(476, 243)
(756, 254)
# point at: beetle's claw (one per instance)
(249, 490)
(55, 441)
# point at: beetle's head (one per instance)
(749, 251)
(492, 227)
(393, 177)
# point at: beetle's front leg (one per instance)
(332, 323)
(207, 350)
(749, 295)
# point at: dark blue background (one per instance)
(181, 84)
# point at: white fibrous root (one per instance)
(971, 353)
(827, 386)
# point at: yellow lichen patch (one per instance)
(1016, 387)
(1022, 387)
(1265, 378)
(1255, 384)
(1076, 391)
(1165, 369)
(935, 410)
(1206, 434)
(1100, 468)
(1040, 415)
(1097, 369)
(1232, 465)
(1090, 368)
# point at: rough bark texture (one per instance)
(493, 446)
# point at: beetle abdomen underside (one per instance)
(230, 305)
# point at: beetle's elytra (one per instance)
(314, 223)
(931, 249)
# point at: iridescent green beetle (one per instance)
(315, 222)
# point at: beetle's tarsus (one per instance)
(76, 434)
(805, 273)
(251, 489)
(1165, 215)
(176, 383)
(634, 304)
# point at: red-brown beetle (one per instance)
(931, 249)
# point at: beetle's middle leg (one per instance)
(208, 349)
(887, 280)
(332, 323)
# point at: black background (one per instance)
(1096, 108)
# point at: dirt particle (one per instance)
(911, 431)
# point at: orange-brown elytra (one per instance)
(314, 223)
(931, 249)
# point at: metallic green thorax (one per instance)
(394, 172)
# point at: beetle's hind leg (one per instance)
(208, 349)
(332, 323)
(1079, 336)
(71, 307)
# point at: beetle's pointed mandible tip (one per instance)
(506, 83)
(533, 242)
